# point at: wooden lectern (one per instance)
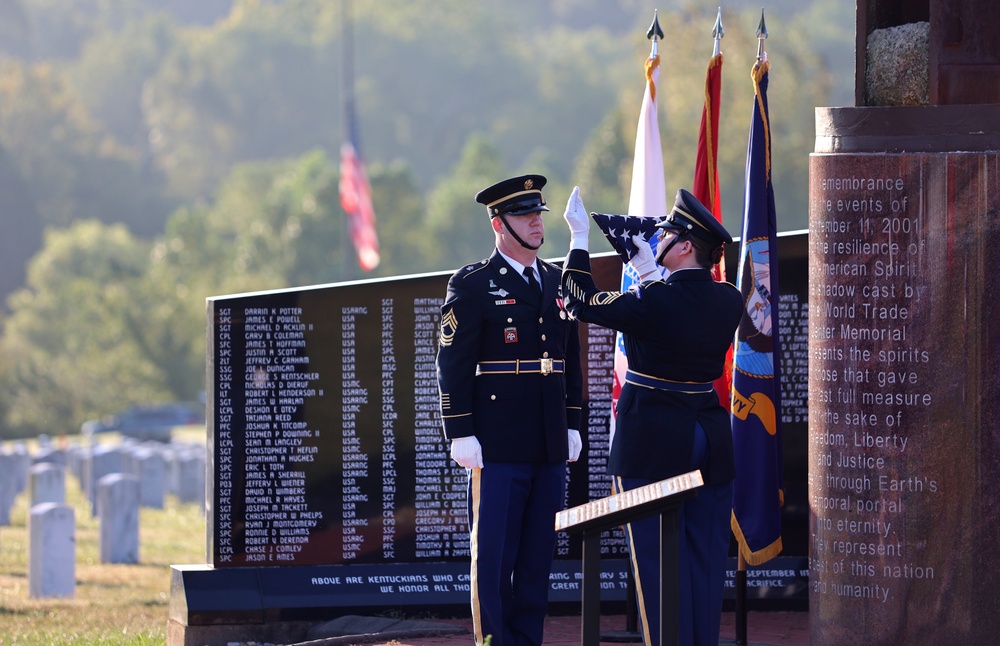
(663, 498)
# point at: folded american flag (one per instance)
(619, 229)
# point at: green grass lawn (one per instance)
(114, 604)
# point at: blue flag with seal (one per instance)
(756, 399)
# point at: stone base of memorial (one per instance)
(904, 375)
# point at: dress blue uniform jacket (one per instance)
(490, 313)
(678, 329)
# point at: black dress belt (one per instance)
(521, 367)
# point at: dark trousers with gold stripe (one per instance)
(703, 552)
(512, 510)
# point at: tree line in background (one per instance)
(156, 152)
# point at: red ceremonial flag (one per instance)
(706, 187)
(356, 199)
(706, 171)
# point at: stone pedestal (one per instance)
(904, 375)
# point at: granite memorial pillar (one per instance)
(904, 375)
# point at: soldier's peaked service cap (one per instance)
(690, 216)
(515, 196)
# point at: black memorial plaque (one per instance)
(327, 435)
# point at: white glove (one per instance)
(467, 452)
(643, 262)
(575, 445)
(578, 221)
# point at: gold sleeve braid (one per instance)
(598, 299)
(604, 298)
(574, 290)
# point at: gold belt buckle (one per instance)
(545, 366)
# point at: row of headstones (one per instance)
(160, 468)
(118, 480)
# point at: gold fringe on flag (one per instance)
(760, 68)
(715, 61)
(652, 64)
(762, 555)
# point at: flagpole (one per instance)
(741, 599)
(741, 560)
(761, 37)
(705, 185)
(347, 92)
(655, 35)
(354, 186)
(741, 563)
(647, 197)
(718, 32)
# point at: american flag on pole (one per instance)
(356, 199)
(647, 197)
(756, 400)
(706, 185)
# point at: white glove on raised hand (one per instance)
(643, 262)
(575, 445)
(578, 220)
(467, 452)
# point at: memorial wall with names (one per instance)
(329, 468)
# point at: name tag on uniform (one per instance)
(502, 293)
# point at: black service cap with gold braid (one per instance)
(515, 196)
(690, 216)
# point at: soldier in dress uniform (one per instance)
(676, 332)
(509, 373)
